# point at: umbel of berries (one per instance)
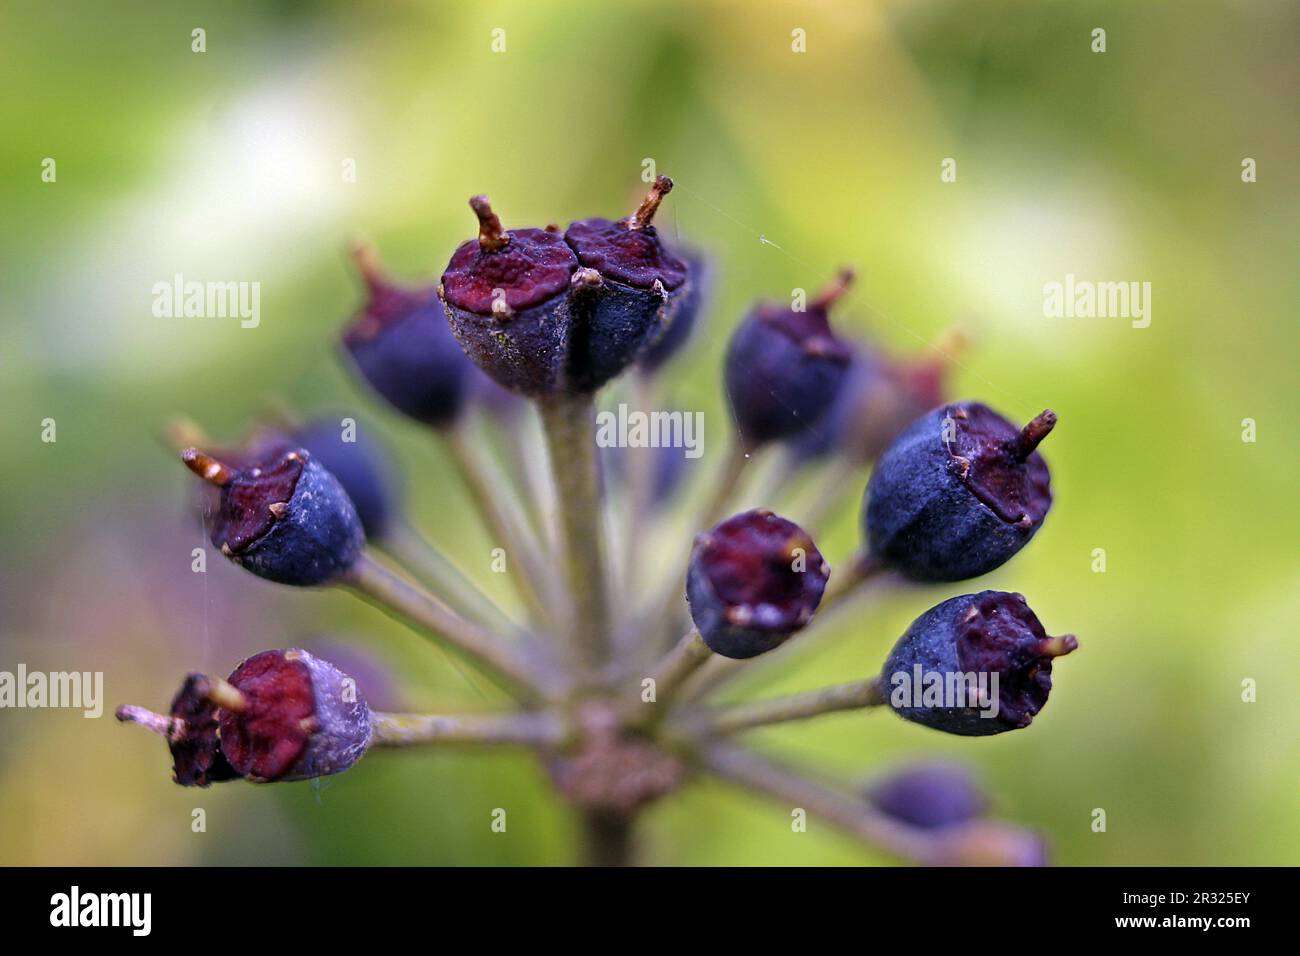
(281, 516)
(301, 717)
(784, 368)
(544, 312)
(989, 645)
(400, 344)
(752, 582)
(958, 493)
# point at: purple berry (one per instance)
(929, 796)
(752, 582)
(283, 517)
(401, 345)
(958, 493)
(784, 369)
(674, 334)
(300, 717)
(507, 299)
(362, 467)
(960, 645)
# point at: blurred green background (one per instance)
(227, 164)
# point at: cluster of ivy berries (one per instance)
(551, 316)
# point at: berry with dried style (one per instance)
(281, 516)
(632, 289)
(784, 368)
(929, 795)
(297, 717)
(544, 312)
(400, 344)
(507, 294)
(752, 582)
(989, 646)
(958, 493)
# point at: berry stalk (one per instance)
(399, 598)
(855, 817)
(490, 494)
(855, 695)
(568, 419)
(410, 730)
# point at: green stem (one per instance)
(568, 420)
(852, 696)
(608, 839)
(491, 495)
(409, 730)
(396, 596)
(852, 815)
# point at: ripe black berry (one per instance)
(753, 581)
(958, 493)
(784, 369)
(281, 516)
(401, 345)
(964, 640)
(300, 717)
(929, 796)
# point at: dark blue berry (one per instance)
(784, 368)
(401, 345)
(362, 466)
(958, 493)
(952, 647)
(929, 795)
(300, 717)
(752, 582)
(675, 333)
(642, 286)
(282, 517)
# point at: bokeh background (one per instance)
(227, 165)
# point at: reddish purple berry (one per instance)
(960, 647)
(784, 369)
(958, 493)
(929, 795)
(281, 516)
(401, 345)
(752, 582)
(300, 717)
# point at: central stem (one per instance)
(569, 421)
(607, 839)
